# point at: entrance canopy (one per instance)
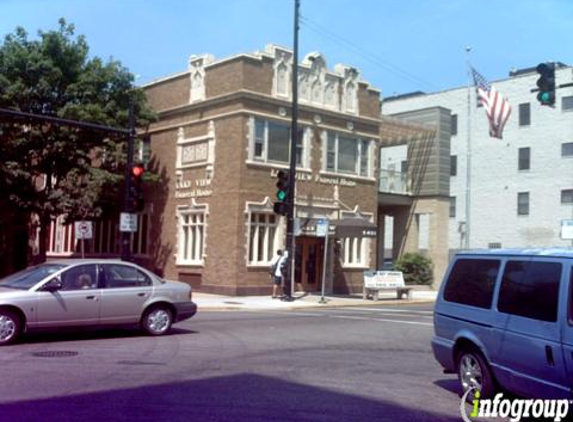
(355, 227)
(346, 227)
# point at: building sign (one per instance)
(306, 177)
(199, 188)
(341, 181)
(567, 229)
(383, 279)
(313, 227)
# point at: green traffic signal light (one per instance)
(280, 207)
(546, 84)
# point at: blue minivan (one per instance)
(504, 319)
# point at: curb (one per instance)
(250, 307)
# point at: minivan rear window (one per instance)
(530, 289)
(472, 281)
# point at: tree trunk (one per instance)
(43, 237)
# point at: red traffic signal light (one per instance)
(137, 170)
(137, 200)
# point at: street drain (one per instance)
(234, 303)
(55, 354)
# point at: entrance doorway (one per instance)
(309, 253)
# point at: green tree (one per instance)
(417, 268)
(49, 170)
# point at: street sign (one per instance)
(128, 222)
(83, 230)
(321, 227)
(567, 229)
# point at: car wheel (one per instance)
(10, 327)
(474, 374)
(157, 320)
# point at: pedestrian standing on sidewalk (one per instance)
(276, 275)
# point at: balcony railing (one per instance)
(394, 182)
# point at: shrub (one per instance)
(417, 268)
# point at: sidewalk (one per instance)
(212, 302)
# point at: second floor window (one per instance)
(272, 143)
(454, 127)
(524, 158)
(524, 114)
(345, 154)
(567, 103)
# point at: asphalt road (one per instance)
(343, 364)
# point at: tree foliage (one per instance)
(417, 268)
(48, 169)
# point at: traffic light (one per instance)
(280, 206)
(546, 84)
(136, 197)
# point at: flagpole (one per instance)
(468, 152)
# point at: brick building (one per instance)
(223, 133)
(221, 137)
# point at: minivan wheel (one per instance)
(157, 320)
(10, 327)
(474, 373)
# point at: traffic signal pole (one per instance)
(127, 205)
(290, 247)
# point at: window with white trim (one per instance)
(263, 237)
(347, 154)
(353, 251)
(271, 143)
(191, 227)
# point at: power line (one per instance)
(389, 67)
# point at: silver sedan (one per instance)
(77, 293)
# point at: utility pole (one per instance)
(290, 247)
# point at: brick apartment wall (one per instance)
(368, 102)
(169, 93)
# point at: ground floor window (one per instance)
(354, 251)
(263, 237)
(191, 237)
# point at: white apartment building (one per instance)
(519, 188)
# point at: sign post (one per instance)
(83, 230)
(322, 231)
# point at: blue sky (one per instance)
(399, 45)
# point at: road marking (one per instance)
(389, 310)
(361, 318)
(382, 320)
(392, 314)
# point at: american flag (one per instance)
(496, 107)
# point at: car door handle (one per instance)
(142, 294)
(549, 355)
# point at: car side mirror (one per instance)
(53, 285)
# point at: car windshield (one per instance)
(30, 276)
